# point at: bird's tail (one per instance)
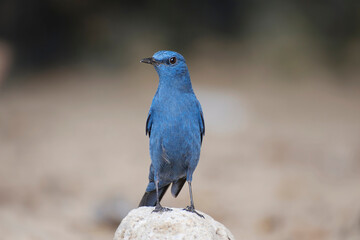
(149, 198)
(177, 186)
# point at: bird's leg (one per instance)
(191, 208)
(158, 207)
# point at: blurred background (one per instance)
(279, 83)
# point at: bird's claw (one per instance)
(192, 209)
(161, 209)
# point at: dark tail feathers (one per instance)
(149, 198)
(177, 186)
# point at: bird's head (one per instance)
(168, 64)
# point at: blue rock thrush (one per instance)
(175, 125)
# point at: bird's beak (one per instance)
(150, 60)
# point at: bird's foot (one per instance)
(192, 209)
(161, 209)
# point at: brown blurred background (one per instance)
(279, 82)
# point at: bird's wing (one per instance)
(201, 122)
(148, 124)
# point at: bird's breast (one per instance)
(176, 136)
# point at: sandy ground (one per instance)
(279, 160)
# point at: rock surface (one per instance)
(141, 223)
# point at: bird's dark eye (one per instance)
(172, 60)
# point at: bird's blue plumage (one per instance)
(175, 124)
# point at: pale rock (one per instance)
(142, 223)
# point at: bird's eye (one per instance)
(172, 60)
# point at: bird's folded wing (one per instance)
(148, 124)
(201, 122)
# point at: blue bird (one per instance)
(175, 125)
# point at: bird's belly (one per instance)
(180, 142)
(173, 150)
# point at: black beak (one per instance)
(149, 60)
